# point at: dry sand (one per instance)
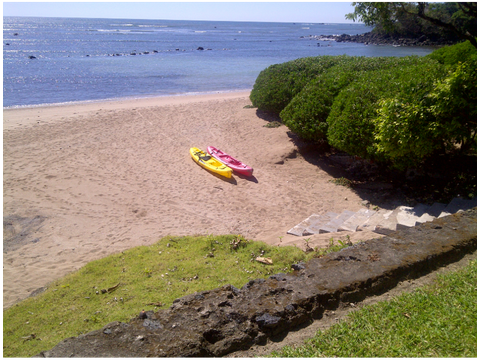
(87, 180)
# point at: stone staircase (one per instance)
(382, 221)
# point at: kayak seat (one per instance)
(203, 157)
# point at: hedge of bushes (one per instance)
(389, 109)
(275, 86)
(353, 125)
(307, 112)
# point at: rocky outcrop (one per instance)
(227, 319)
(372, 38)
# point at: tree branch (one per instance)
(421, 14)
(469, 9)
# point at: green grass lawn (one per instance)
(439, 320)
(142, 278)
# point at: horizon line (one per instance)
(121, 18)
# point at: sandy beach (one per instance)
(87, 180)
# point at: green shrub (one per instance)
(308, 111)
(452, 55)
(440, 114)
(278, 84)
(454, 105)
(351, 123)
(389, 109)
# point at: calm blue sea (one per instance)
(96, 59)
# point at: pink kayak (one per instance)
(231, 162)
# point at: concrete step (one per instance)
(315, 228)
(431, 213)
(388, 224)
(408, 216)
(334, 224)
(458, 204)
(359, 218)
(310, 223)
(374, 220)
(381, 222)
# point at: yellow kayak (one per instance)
(210, 163)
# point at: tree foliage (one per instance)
(458, 20)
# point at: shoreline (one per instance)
(31, 115)
(119, 99)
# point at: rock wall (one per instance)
(227, 319)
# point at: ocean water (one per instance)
(78, 60)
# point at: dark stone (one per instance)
(252, 283)
(290, 308)
(346, 258)
(212, 336)
(279, 277)
(267, 321)
(218, 322)
(37, 292)
(152, 324)
(238, 318)
(200, 48)
(299, 266)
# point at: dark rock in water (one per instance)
(31, 57)
(200, 48)
(384, 39)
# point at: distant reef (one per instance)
(372, 38)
